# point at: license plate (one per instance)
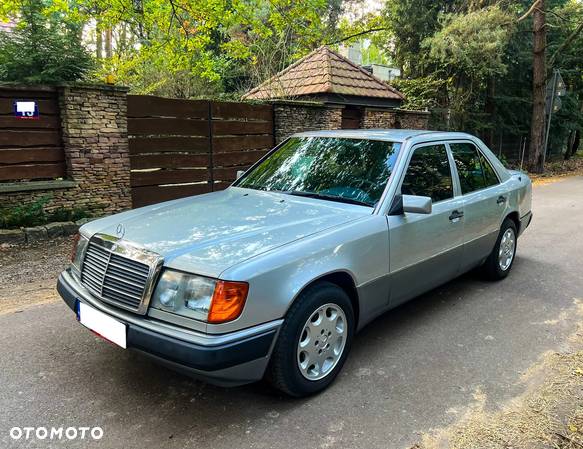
(102, 324)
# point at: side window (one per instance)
(469, 167)
(429, 174)
(489, 173)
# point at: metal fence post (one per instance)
(550, 115)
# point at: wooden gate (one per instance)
(30, 148)
(180, 148)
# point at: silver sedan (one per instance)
(273, 276)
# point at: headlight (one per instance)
(199, 297)
(79, 246)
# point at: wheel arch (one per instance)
(342, 279)
(515, 218)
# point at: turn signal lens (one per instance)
(76, 239)
(228, 301)
(79, 245)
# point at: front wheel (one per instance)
(313, 342)
(500, 260)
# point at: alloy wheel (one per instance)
(322, 342)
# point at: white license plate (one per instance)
(102, 324)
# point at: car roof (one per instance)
(393, 135)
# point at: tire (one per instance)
(289, 367)
(494, 267)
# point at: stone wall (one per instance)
(395, 118)
(294, 117)
(297, 116)
(379, 118)
(94, 134)
(412, 119)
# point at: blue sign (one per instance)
(26, 109)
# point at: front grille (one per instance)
(113, 277)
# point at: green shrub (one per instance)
(62, 214)
(34, 214)
(31, 214)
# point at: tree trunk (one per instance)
(489, 109)
(570, 141)
(98, 43)
(334, 12)
(577, 140)
(576, 143)
(537, 125)
(108, 52)
(122, 39)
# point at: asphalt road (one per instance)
(412, 370)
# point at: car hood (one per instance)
(209, 233)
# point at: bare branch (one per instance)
(566, 43)
(529, 12)
(175, 16)
(360, 33)
(550, 11)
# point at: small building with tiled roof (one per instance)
(327, 76)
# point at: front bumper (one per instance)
(224, 359)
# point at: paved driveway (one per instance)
(414, 369)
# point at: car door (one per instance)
(425, 249)
(484, 201)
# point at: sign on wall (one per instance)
(26, 109)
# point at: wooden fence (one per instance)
(187, 147)
(30, 148)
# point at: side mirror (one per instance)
(417, 204)
(410, 203)
(240, 173)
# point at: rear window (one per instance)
(474, 171)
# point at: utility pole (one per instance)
(552, 101)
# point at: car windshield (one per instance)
(335, 169)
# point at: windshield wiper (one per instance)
(323, 196)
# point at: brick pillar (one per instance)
(94, 130)
(332, 117)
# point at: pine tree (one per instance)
(42, 50)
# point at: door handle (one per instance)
(501, 199)
(455, 215)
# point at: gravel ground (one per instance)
(549, 414)
(28, 273)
